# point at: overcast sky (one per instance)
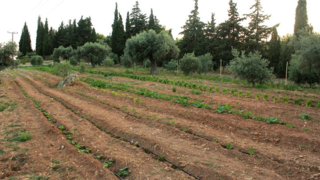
(171, 13)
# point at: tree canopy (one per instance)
(7, 53)
(25, 41)
(149, 45)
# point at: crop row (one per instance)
(183, 100)
(193, 86)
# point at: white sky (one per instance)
(171, 13)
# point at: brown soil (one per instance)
(190, 141)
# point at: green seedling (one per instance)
(257, 96)
(305, 116)
(265, 97)
(298, 101)
(229, 146)
(240, 93)
(248, 94)
(290, 126)
(251, 151)
(107, 163)
(308, 103)
(123, 172)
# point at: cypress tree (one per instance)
(118, 34)
(39, 39)
(128, 27)
(138, 20)
(301, 21)
(25, 41)
(46, 40)
(274, 50)
(93, 35)
(193, 35)
(151, 21)
(257, 32)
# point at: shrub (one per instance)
(147, 63)
(73, 61)
(114, 57)
(64, 53)
(206, 64)
(126, 61)
(62, 69)
(108, 62)
(189, 64)
(252, 68)
(172, 65)
(82, 67)
(36, 60)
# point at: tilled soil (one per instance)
(155, 139)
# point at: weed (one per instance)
(251, 151)
(305, 116)
(248, 94)
(229, 146)
(123, 172)
(23, 137)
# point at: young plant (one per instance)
(240, 93)
(308, 103)
(290, 126)
(251, 151)
(233, 92)
(318, 104)
(257, 96)
(298, 101)
(107, 163)
(265, 97)
(275, 99)
(211, 89)
(285, 100)
(217, 90)
(248, 94)
(305, 116)
(225, 91)
(229, 146)
(123, 172)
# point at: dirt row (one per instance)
(282, 155)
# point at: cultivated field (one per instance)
(116, 125)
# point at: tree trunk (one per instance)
(153, 67)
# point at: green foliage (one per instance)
(147, 63)
(298, 101)
(304, 65)
(3, 107)
(290, 126)
(107, 163)
(206, 63)
(251, 151)
(275, 99)
(252, 68)
(224, 108)
(114, 57)
(23, 137)
(229, 146)
(62, 69)
(174, 89)
(189, 64)
(148, 44)
(108, 62)
(318, 104)
(265, 97)
(73, 61)
(82, 67)
(308, 103)
(36, 60)
(248, 94)
(301, 21)
(305, 116)
(172, 65)
(25, 41)
(123, 172)
(62, 52)
(118, 38)
(7, 52)
(240, 93)
(126, 61)
(94, 53)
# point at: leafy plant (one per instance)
(248, 94)
(2, 107)
(290, 126)
(174, 89)
(285, 100)
(222, 108)
(225, 91)
(308, 103)
(123, 172)
(161, 158)
(318, 104)
(298, 101)
(306, 130)
(265, 97)
(185, 128)
(229, 146)
(275, 99)
(195, 92)
(61, 127)
(233, 92)
(305, 116)
(251, 151)
(240, 93)
(217, 90)
(273, 120)
(107, 163)
(211, 89)
(257, 96)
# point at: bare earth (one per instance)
(153, 138)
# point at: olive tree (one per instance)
(305, 62)
(7, 52)
(94, 53)
(206, 63)
(252, 68)
(64, 53)
(189, 64)
(149, 45)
